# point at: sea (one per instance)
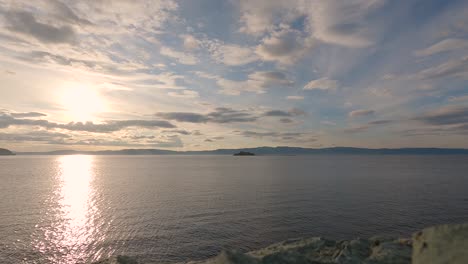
(168, 209)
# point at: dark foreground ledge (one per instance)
(446, 244)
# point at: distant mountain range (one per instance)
(267, 151)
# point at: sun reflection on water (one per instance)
(77, 210)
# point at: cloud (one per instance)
(450, 115)
(461, 98)
(180, 131)
(348, 23)
(277, 113)
(139, 137)
(436, 131)
(113, 36)
(230, 87)
(213, 139)
(36, 136)
(28, 114)
(361, 112)
(369, 125)
(65, 13)
(25, 23)
(297, 112)
(184, 94)
(381, 122)
(106, 127)
(256, 82)
(264, 134)
(294, 97)
(447, 120)
(450, 44)
(47, 57)
(259, 17)
(171, 142)
(220, 115)
(281, 113)
(303, 137)
(184, 117)
(327, 122)
(356, 129)
(90, 65)
(321, 84)
(451, 68)
(226, 115)
(10, 72)
(181, 57)
(190, 42)
(286, 120)
(266, 78)
(54, 138)
(231, 54)
(285, 46)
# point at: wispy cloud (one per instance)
(451, 115)
(227, 115)
(294, 97)
(361, 112)
(181, 57)
(443, 46)
(321, 84)
(106, 127)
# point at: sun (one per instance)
(81, 102)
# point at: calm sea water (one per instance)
(74, 209)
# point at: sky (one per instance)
(208, 74)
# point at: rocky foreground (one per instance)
(446, 244)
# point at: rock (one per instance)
(323, 251)
(232, 257)
(118, 260)
(441, 244)
(390, 251)
(354, 251)
(447, 244)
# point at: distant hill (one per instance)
(5, 152)
(268, 151)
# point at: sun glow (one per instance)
(82, 102)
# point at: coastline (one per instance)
(435, 245)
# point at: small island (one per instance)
(6, 152)
(244, 153)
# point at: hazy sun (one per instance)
(81, 102)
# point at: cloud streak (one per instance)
(321, 84)
(25, 23)
(222, 115)
(453, 115)
(219, 115)
(305, 137)
(106, 127)
(361, 112)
